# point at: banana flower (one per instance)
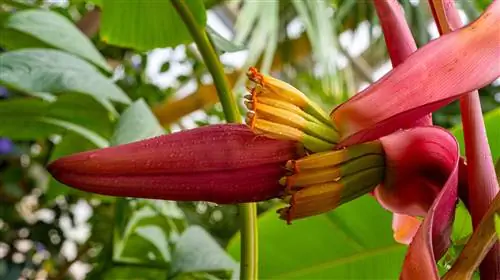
(380, 141)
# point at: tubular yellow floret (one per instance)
(318, 176)
(329, 174)
(281, 116)
(268, 87)
(289, 107)
(320, 198)
(311, 201)
(333, 158)
(321, 182)
(274, 101)
(284, 132)
(275, 130)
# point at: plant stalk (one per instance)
(482, 181)
(248, 265)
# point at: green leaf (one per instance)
(497, 224)
(29, 118)
(497, 170)
(36, 71)
(20, 119)
(491, 121)
(135, 273)
(197, 251)
(354, 241)
(48, 28)
(136, 123)
(76, 107)
(462, 225)
(222, 44)
(145, 25)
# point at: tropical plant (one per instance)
(88, 112)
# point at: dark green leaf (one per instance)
(145, 25)
(354, 241)
(20, 119)
(29, 118)
(47, 28)
(76, 108)
(136, 123)
(36, 71)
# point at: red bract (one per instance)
(219, 163)
(421, 179)
(433, 236)
(418, 163)
(398, 38)
(432, 77)
(400, 45)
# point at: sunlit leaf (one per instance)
(462, 225)
(145, 25)
(40, 28)
(491, 121)
(497, 225)
(352, 242)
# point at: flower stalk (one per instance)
(248, 211)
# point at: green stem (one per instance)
(248, 266)
(211, 59)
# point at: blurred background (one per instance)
(330, 50)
